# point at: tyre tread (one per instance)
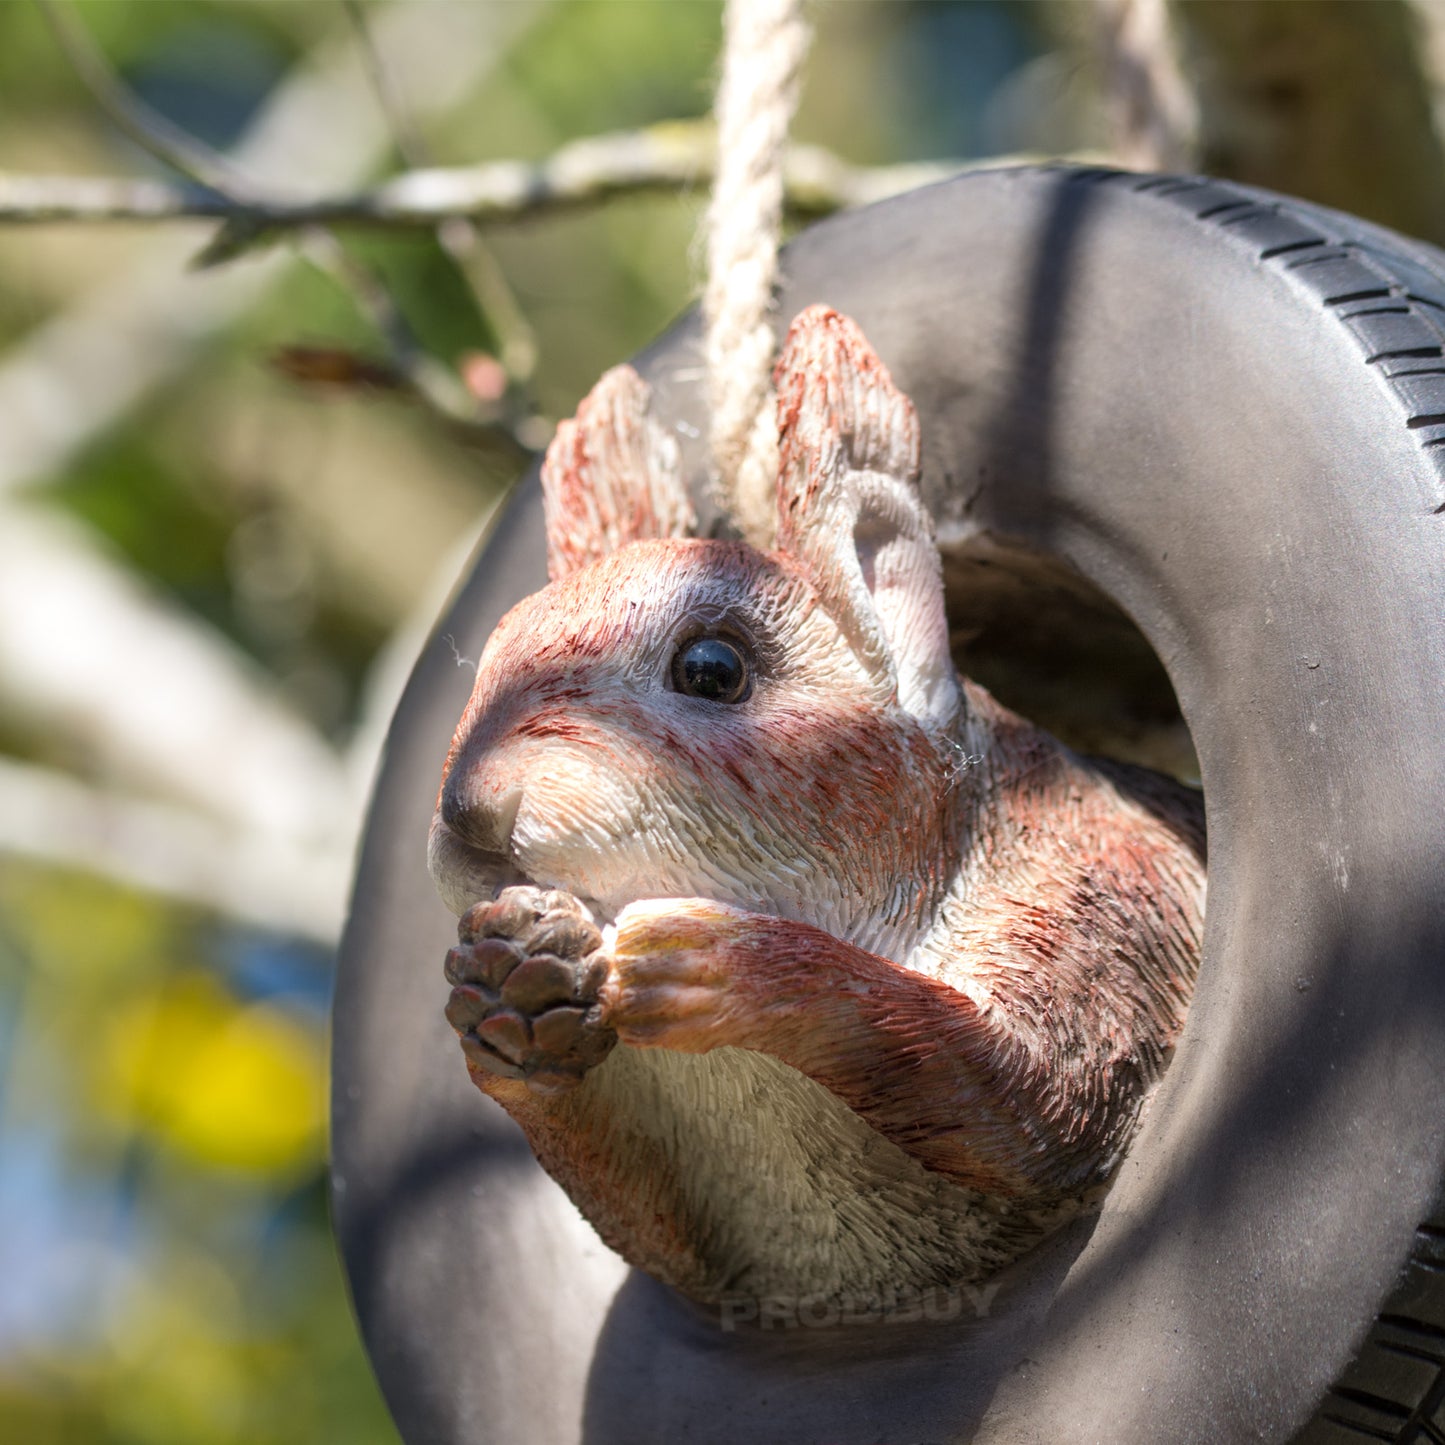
(1388, 293)
(1395, 1385)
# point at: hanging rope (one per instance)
(765, 42)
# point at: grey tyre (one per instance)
(1206, 424)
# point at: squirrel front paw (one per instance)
(525, 979)
(675, 971)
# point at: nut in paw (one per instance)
(525, 979)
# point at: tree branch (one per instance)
(585, 173)
(458, 238)
(149, 129)
(80, 371)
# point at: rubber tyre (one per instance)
(1226, 412)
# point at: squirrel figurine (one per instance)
(807, 968)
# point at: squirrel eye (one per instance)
(712, 668)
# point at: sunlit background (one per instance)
(216, 563)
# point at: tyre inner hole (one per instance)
(1050, 645)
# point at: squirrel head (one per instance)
(677, 716)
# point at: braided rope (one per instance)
(765, 42)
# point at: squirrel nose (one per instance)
(480, 815)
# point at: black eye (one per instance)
(711, 668)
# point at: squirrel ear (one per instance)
(610, 477)
(849, 509)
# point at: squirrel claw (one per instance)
(526, 978)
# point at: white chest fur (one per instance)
(789, 1194)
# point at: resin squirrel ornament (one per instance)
(806, 968)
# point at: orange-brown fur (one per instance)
(925, 962)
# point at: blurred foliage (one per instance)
(169, 1274)
(223, 1084)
